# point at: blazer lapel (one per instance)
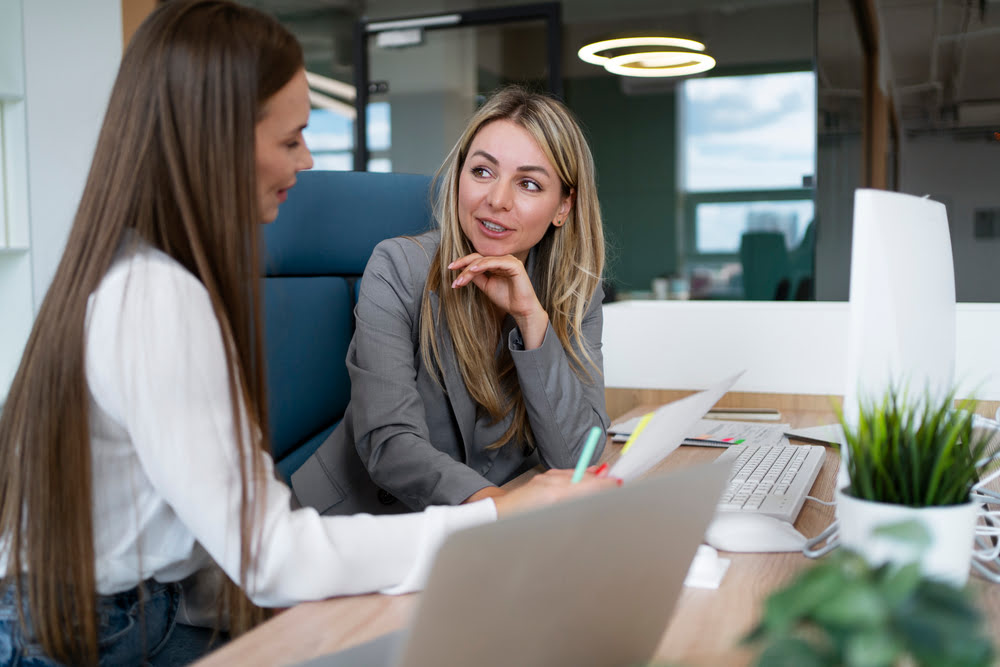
(462, 405)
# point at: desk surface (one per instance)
(705, 630)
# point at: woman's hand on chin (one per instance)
(505, 282)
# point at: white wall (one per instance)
(71, 55)
(787, 348)
(964, 176)
(69, 59)
(15, 262)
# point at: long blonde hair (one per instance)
(174, 162)
(568, 262)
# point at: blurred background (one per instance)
(735, 183)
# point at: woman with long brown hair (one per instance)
(133, 441)
(477, 352)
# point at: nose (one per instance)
(499, 195)
(305, 160)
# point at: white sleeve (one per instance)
(155, 353)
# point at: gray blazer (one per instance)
(405, 436)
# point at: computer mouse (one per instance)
(752, 532)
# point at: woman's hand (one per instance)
(505, 282)
(487, 492)
(550, 487)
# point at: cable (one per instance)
(830, 503)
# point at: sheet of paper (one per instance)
(670, 424)
(707, 569)
(621, 431)
(827, 434)
(715, 433)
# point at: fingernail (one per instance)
(602, 470)
(621, 481)
(451, 265)
(454, 284)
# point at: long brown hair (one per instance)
(568, 261)
(175, 164)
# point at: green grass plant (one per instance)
(913, 452)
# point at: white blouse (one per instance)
(166, 481)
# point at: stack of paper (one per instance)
(715, 433)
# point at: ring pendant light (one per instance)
(655, 62)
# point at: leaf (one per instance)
(939, 624)
(899, 584)
(872, 649)
(793, 652)
(800, 598)
(855, 605)
(910, 531)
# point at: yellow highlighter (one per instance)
(635, 432)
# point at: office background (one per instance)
(58, 58)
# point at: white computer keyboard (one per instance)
(770, 479)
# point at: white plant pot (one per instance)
(951, 529)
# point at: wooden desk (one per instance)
(705, 630)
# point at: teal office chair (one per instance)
(765, 266)
(314, 255)
(802, 266)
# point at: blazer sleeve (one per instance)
(561, 407)
(390, 423)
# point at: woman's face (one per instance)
(508, 192)
(281, 151)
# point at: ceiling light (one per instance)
(321, 101)
(661, 63)
(330, 94)
(646, 56)
(331, 86)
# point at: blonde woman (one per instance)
(477, 352)
(131, 446)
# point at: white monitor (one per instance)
(902, 300)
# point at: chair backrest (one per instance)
(314, 254)
(765, 265)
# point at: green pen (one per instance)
(587, 453)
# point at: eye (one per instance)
(531, 186)
(480, 172)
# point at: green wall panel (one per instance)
(633, 138)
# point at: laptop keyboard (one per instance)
(770, 479)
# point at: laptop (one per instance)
(591, 581)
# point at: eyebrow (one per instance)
(527, 167)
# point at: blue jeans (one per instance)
(131, 631)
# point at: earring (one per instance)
(559, 223)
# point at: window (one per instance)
(330, 137)
(747, 154)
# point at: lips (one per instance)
(492, 229)
(492, 226)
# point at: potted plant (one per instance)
(845, 611)
(912, 460)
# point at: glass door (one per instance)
(419, 79)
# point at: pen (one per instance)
(635, 432)
(587, 453)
